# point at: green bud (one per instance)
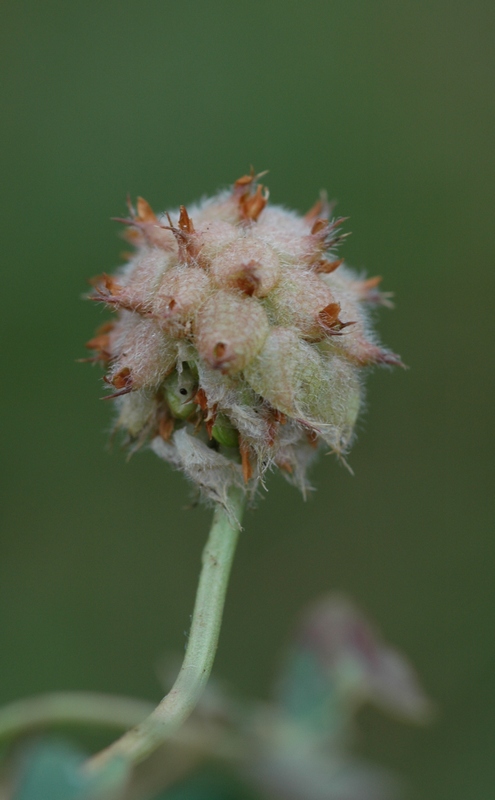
(230, 330)
(179, 390)
(302, 383)
(224, 432)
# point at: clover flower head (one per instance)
(240, 339)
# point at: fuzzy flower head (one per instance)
(239, 339)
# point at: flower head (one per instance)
(239, 340)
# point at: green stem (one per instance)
(95, 709)
(138, 743)
(69, 708)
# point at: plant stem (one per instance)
(63, 708)
(96, 709)
(138, 743)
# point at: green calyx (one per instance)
(179, 390)
(224, 432)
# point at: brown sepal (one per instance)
(113, 294)
(144, 212)
(121, 379)
(279, 416)
(187, 239)
(109, 283)
(248, 281)
(312, 437)
(322, 238)
(329, 315)
(146, 226)
(320, 224)
(322, 208)
(166, 427)
(285, 465)
(201, 400)
(251, 205)
(369, 353)
(209, 415)
(247, 469)
(369, 293)
(325, 267)
(322, 228)
(132, 236)
(328, 318)
(106, 328)
(275, 419)
(101, 343)
(221, 357)
(247, 180)
(185, 221)
(120, 392)
(371, 283)
(210, 419)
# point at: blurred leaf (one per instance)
(51, 770)
(340, 662)
(306, 694)
(293, 775)
(207, 785)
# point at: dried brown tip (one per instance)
(122, 380)
(251, 205)
(312, 437)
(209, 415)
(325, 267)
(145, 226)
(323, 229)
(106, 328)
(112, 293)
(285, 465)
(371, 283)
(101, 343)
(185, 221)
(144, 212)
(220, 356)
(210, 419)
(132, 236)
(201, 400)
(107, 290)
(328, 318)
(369, 292)
(247, 470)
(368, 354)
(275, 418)
(244, 180)
(166, 427)
(248, 180)
(103, 279)
(322, 208)
(186, 237)
(248, 281)
(319, 225)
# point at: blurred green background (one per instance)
(388, 105)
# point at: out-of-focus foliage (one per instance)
(53, 770)
(299, 747)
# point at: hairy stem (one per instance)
(138, 743)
